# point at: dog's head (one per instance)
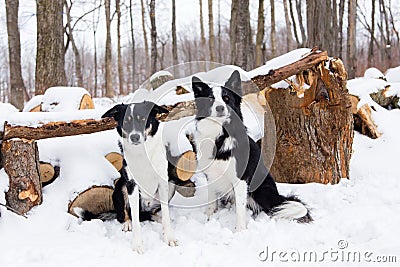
(218, 102)
(137, 121)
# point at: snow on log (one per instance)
(159, 78)
(96, 199)
(58, 129)
(21, 163)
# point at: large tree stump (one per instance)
(314, 134)
(21, 163)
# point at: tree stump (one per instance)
(314, 134)
(21, 163)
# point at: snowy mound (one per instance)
(393, 75)
(363, 87)
(373, 73)
(33, 102)
(6, 108)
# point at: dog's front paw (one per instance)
(127, 226)
(170, 239)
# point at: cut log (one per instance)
(58, 129)
(38, 108)
(314, 134)
(86, 102)
(21, 163)
(307, 62)
(159, 78)
(388, 102)
(97, 200)
(48, 173)
(115, 159)
(186, 166)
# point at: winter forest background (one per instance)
(110, 47)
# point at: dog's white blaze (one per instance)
(217, 92)
(290, 210)
(229, 144)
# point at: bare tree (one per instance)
(211, 40)
(108, 78)
(296, 36)
(219, 31)
(119, 54)
(202, 35)
(273, 29)
(133, 43)
(340, 28)
(153, 36)
(301, 24)
(174, 44)
(351, 39)
(242, 32)
(95, 25)
(71, 39)
(372, 34)
(50, 45)
(260, 34)
(288, 26)
(146, 44)
(17, 87)
(232, 28)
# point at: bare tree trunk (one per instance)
(17, 86)
(273, 29)
(372, 33)
(232, 29)
(50, 60)
(202, 35)
(319, 25)
(119, 54)
(300, 18)
(174, 44)
(351, 39)
(133, 45)
(95, 25)
(340, 30)
(335, 32)
(153, 36)
(296, 36)
(146, 44)
(108, 78)
(70, 35)
(211, 40)
(242, 32)
(260, 34)
(219, 32)
(386, 46)
(288, 27)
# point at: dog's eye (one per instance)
(129, 118)
(226, 98)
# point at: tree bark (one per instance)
(242, 33)
(300, 18)
(296, 36)
(288, 27)
(153, 36)
(202, 35)
(372, 33)
(232, 29)
(108, 72)
(119, 53)
(313, 138)
(174, 43)
(260, 34)
(75, 50)
(146, 44)
(273, 29)
(58, 129)
(351, 39)
(17, 86)
(133, 45)
(211, 40)
(50, 60)
(21, 163)
(340, 28)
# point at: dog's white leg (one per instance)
(212, 202)
(241, 200)
(169, 236)
(137, 232)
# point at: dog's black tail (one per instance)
(268, 199)
(87, 215)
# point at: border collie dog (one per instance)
(231, 160)
(150, 183)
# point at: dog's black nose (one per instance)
(135, 138)
(220, 108)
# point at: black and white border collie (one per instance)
(231, 160)
(147, 179)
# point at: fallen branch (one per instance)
(274, 76)
(58, 129)
(13, 210)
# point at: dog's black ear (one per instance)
(158, 110)
(234, 83)
(199, 88)
(117, 112)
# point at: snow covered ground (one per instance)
(359, 216)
